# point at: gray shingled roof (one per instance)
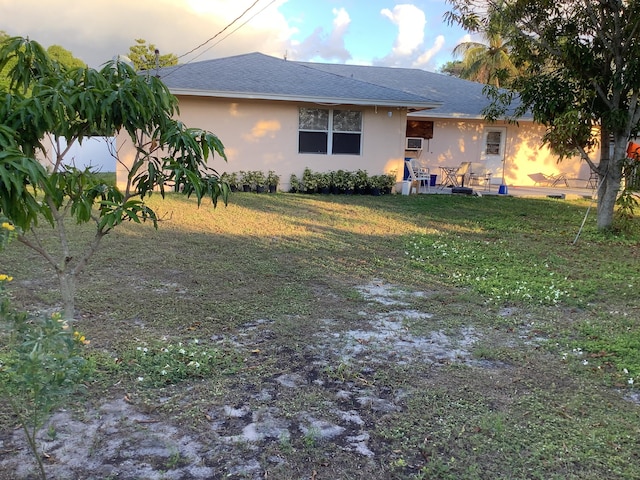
(459, 98)
(260, 76)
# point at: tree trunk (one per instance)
(610, 172)
(67, 283)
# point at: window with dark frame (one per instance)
(322, 131)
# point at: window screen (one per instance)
(323, 131)
(494, 140)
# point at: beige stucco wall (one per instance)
(263, 135)
(456, 141)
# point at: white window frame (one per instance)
(501, 148)
(330, 132)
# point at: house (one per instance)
(457, 132)
(274, 114)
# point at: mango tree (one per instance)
(579, 64)
(46, 108)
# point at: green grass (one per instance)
(107, 177)
(262, 281)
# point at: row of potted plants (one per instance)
(342, 181)
(251, 181)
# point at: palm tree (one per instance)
(488, 62)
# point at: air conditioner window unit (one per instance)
(414, 143)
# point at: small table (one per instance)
(449, 177)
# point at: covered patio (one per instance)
(558, 191)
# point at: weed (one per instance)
(174, 460)
(163, 363)
(284, 440)
(311, 437)
(343, 372)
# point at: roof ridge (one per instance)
(358, 80)
(381, 68)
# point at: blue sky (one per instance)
(377, 32)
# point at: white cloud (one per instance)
(411, 22)
(409, 49)
(96, 31)
(424, 60)
(329, 47)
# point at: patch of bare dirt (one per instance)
(322, 399)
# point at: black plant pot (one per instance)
(261, 189)
(246, 188)
(325, 190)
(273, 188)
(375, 191)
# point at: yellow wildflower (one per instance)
(81, 338)
(5, 278)
(8, 226)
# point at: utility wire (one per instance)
(235, 30)
(221, 31)
(218, 34)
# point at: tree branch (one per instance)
(38, 247)
(60, 155)
(86, 256)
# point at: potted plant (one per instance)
(230, 179)
(376, 184)
(336, 181)
(349, 182)
(259, 181)
(245, 179)
(309, 180)
(390, 180)
(361, 181)
(295, 185)
(272, 181)
(323, 181)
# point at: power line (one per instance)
(236, 29)
(221, 31)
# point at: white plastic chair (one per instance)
(420, 177)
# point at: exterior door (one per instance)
(493, 152)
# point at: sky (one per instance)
(364, 32)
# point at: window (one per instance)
(336, 131)
(313, 126)
(494, 142)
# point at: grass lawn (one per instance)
(346, 337)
